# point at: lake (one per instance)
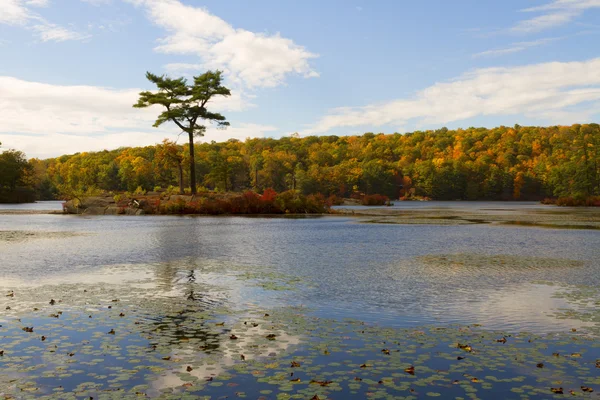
(328, 306)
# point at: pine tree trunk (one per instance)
(192, 165)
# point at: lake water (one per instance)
(318, 278)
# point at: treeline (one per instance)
(16, 178)
(504, 163)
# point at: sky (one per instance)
(70, 70)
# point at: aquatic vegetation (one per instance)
(20, 236)
(179, 329)
(476, 260)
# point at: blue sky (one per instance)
(70, 69)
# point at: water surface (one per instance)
(504, 278)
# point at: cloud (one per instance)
(16, 12)
(13, 12)
(515, 48)
(48, 120)
(52, 32)
(545, 91)
(555, 13)
(248, 58)
(37, 3)
(35, 108)
(56, 144)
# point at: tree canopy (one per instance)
(503, 163)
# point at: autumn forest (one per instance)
(504, 163)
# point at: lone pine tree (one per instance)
(185, 105)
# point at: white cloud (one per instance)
(555, 13)
(35, 108)
(515, 48)
(37, 3)
(49, 120)
(16, 12)
(56, 144)
(248, 58)
(545, 91)
(13, 12)
(51, 32)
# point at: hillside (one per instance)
(503, 163)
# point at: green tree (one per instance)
(185, 105)
(14, 169)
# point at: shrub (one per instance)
(578, 201)
(374, 200)
(334, 200)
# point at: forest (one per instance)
(503, 163)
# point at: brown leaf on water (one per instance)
(587, 389)
(220, 324)
(573, 330)
(271, 336)
(188, 384)
(460, 358)
(121, 315)
(315, 397)
(295, 380)
(475, 380)
(233, 337)
(364, 366)
(356, 378)
(111, 332)
(27, 329)
(410, 370)
(321, 383)
(456, 382)
(1, 353)
(386, 351)
(167, 358)
(267, 315)
(503, 340)
(540, 365)
(557, 390)
(189, 369)
(556, 354)
(295, 364)
(52, 302)
(576, 355)
(243, 357)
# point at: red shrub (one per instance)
(374, 200)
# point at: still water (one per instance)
(384, 276)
